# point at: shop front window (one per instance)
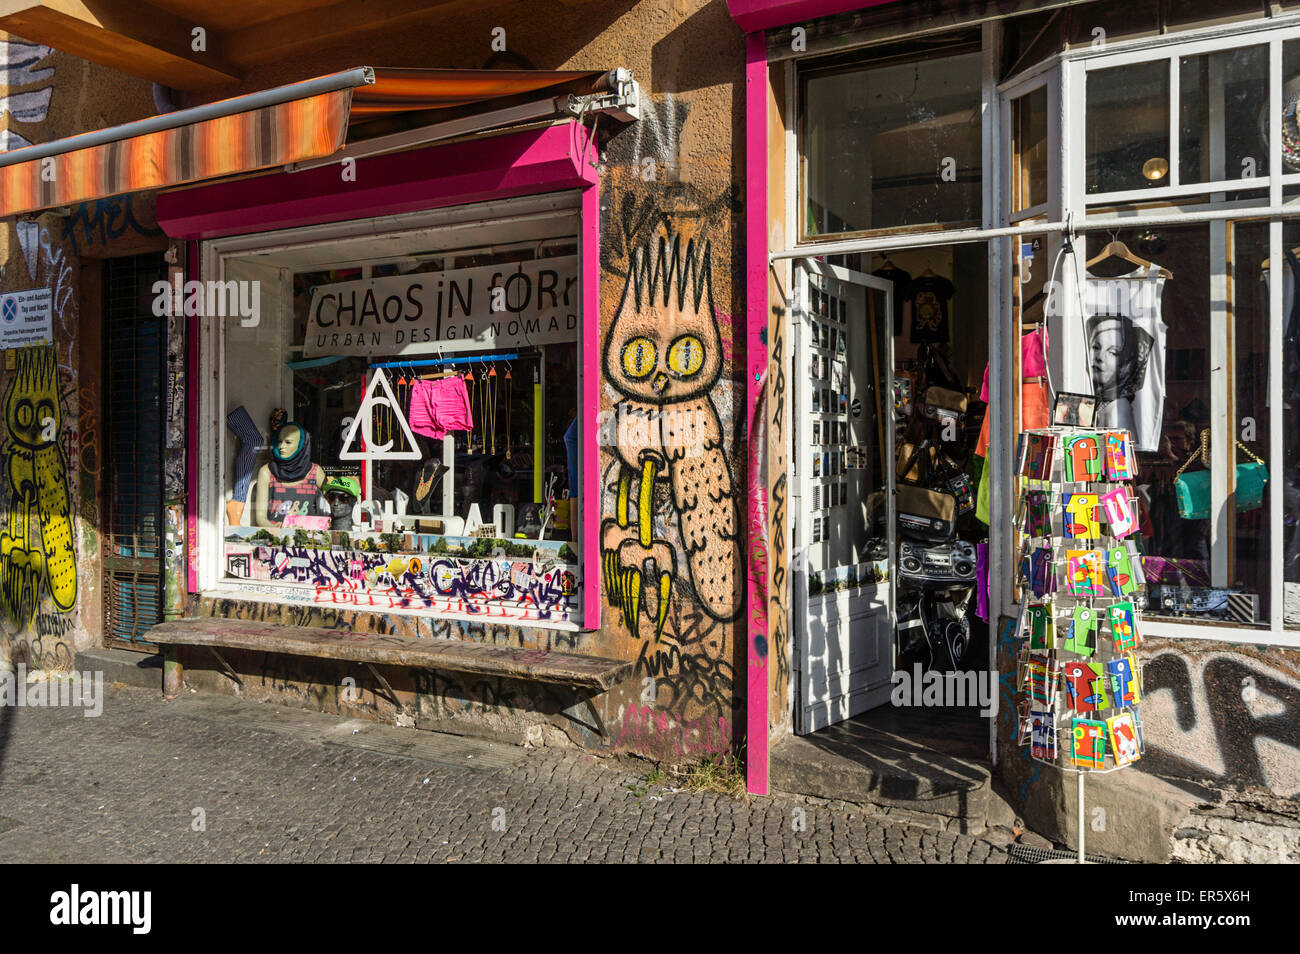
(892, 144)
(402, 433)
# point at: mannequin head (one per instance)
(288, 441)
(290, 452)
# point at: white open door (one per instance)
(843, 486)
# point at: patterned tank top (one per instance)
(299, 497)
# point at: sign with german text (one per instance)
(25, 318)
(466, 309)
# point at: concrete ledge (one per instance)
(1127, 814)
(914, 781)
(142, 670)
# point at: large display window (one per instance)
(1145, 211)
(399, 427)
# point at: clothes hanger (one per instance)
(1264, 264)
(1117, 249)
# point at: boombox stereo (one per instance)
(941, 565)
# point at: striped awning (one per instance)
(294, 123)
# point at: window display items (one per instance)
(250, 442)
(1126, 348)
(289, 484)
(342, 494)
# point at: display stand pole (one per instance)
(1081, 861)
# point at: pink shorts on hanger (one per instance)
(440, 406)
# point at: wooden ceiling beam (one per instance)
(128, 35)
(265, 41)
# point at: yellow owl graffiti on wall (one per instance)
(36, 548)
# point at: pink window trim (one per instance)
(557, 158)
(756, 359)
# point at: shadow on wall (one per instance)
(706, 49)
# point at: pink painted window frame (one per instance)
(556, 158)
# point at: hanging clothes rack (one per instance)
(432, 362)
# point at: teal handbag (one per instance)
(1193, 490)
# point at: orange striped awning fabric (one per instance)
(296, 123)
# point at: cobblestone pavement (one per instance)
(209, 778)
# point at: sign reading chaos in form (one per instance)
(465, 309)
(26, 318)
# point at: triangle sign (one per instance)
(366, 415)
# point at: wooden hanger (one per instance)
(1117, 249)
(1264, 264)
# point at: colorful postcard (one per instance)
(1038, 463)
(1136, 713)
(1124, 743)
(1085, 686)
(1082, 635)
(1042, 579)
(1082, 458)
(1123, 627)
(1083, 572)
(1043, 733)
(1119, 512)
(1118, 456)
(1119, 571)
(1125, 680)
(1038, 519)
(1042, 632)
(1088, 743)
(1039, 684)
(1081, 517)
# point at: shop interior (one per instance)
(940, 347)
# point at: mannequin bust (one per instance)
(289, 483)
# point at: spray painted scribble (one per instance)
(504, 589)
(36, 548)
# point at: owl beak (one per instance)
(660, 382)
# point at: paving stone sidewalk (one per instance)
(271, 783)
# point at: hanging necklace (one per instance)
(492, 408)
(469, 383)
(510, 396)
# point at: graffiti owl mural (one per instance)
(36, 548)
(664, 356)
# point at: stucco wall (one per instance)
(49, 541)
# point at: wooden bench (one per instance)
(588, 675)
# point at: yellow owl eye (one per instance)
(639, 357)
(686, 356)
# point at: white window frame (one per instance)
(215, 445)
(1075, 66)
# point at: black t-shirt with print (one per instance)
(929, 296)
